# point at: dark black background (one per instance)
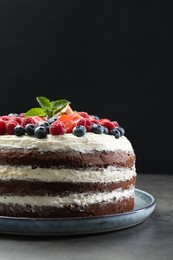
(113, 60)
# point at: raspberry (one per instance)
(10, 125)
(57, 128)
(84, 114)
(18, 120)
(115, 123)
(28, 120)
(5, 118)
(85, 122)
(2, 127)
(107, 123)
(94, 121)
(22, 114)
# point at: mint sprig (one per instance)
(47, 108)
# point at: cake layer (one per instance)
(58, 206)
(79, 199)
(68, 142)
(40, 181)
(23, 188)
(70, 211)
(103, 175)
(66, 159)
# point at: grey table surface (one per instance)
(152, 239)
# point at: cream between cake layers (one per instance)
(65, 175)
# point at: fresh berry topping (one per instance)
(28, 120)
(57, 118)
(106, 130)
(122, 131)
(107, 123)
(51, 120)
(98, 129)
(13, 114)
(22, 114)
(18, 120)
(38, 119)
(10, 125)
(5, 118)
(94, 121)
(57, 128)
(79, 130)
(69, 121)
(40, 132)
(30, 129)
(85, 122)
(116, 132)
(95, 117)
(115, 123)
(19, 130)
(2, 127)
(45, 124)
(84, 114)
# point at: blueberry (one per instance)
(95, 117)
(116, 132)
(97, 129)
(13, 114)
(79, 130)
(30, 128)
(19, 130)
(40, 132)
(51, 120)
(45, 124)
(106, 130)
(121, 130)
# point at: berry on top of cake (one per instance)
(56, 118)
(56, 162)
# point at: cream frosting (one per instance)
(67, 142)
(80, 199)
(103, 175)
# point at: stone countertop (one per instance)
(152, 239)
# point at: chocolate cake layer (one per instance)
(17, 157)
(23, 188)
(97, 209)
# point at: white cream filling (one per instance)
(80, 199)
(103, 175)
(68, 142)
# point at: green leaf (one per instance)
(48, 108)
(35, 112)
(44, 102)
(58, 105)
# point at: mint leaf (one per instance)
(44, 102)
(35, 112)
(58, 105)
(48, 108)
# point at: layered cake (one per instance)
(71, 164)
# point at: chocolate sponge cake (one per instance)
(78, 167)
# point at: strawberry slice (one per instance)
(69, 121)
(38, 119)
